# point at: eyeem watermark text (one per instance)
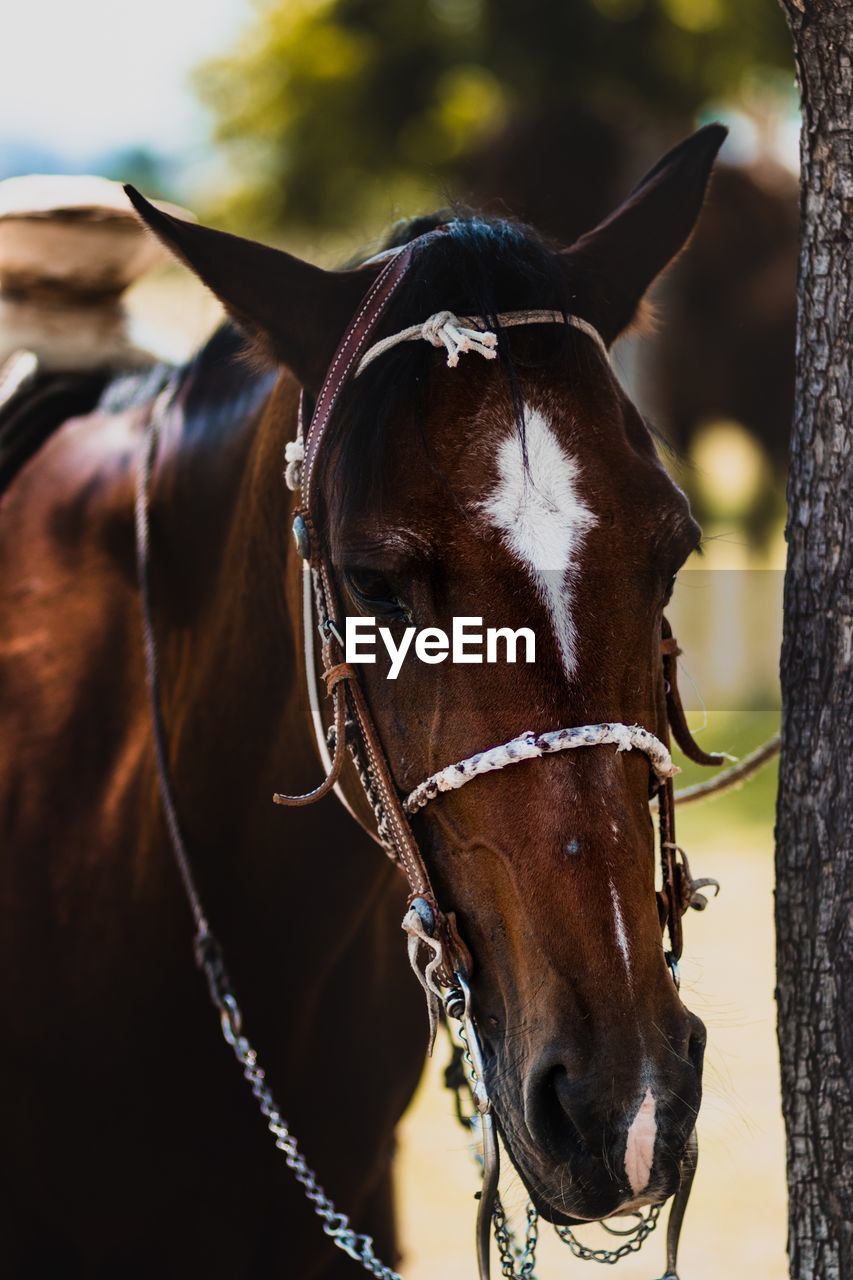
(467, 643)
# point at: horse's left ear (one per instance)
(612, 266)
(295, 312)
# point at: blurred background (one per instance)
(315, 124)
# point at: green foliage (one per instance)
(336, 111)
(751, 805)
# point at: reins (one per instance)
(437, 952)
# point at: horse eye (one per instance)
(373, 592)
(667, 595)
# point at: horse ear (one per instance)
(613, 265)
(295, 312)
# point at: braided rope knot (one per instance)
(444, 329)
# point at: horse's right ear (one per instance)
(612, 266)
(295, 312)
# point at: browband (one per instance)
(459, 334)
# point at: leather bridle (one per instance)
(353, 723)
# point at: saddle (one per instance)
(34, 402)
(69, 248)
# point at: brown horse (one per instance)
(526, 491)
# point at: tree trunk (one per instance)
(814, 821)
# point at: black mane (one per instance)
(218, 386)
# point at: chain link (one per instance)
(517, 1262)
(336, 1225)
(639, 1234)
(208, 953)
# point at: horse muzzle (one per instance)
(595, 1146)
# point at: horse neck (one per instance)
(287, 891)
(232, 654)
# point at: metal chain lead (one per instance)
(639, 1234)
(517, 1263)
(336, 1225)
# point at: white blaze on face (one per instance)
(640, 1147)
(542, 519)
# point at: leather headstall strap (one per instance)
(674, 708)
(676, 892)
(341, 679)
(352, 346)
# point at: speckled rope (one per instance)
(530, 746)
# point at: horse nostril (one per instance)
(562, 1113)
(622, 1114)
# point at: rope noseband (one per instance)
(531, 746)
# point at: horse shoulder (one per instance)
(69, 648)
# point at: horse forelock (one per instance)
(479, 267)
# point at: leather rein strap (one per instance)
(677, 887)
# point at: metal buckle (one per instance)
(328, 627)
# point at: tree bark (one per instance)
(814, 820)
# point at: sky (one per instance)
(83, 77)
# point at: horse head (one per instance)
(525, 492)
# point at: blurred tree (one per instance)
(340, 115)
(337, 112)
